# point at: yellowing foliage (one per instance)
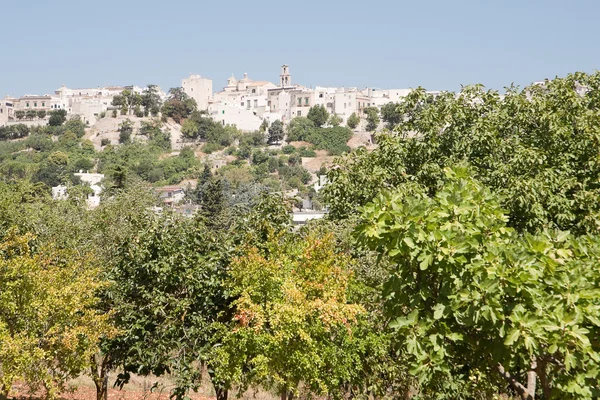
(49, 328)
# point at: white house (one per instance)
(171, 195)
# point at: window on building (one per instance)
(306, 100)
(35, 104)
(321, 95)
(242, 104)
(223, 112)
(191, 89)
(255, 103)
(253, 90)
(299, 113)
(43, 104)
(299, 101)
(27, 104)
(344, 105)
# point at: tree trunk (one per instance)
(286, 394)
(526, 392)
(221, 393)
(543, 375)
(4, 391)
(100, 375)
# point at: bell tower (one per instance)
(285, 79)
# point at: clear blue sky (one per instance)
(437, 44)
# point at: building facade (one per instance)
(199, 89)
(7, 111)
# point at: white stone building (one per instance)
(95, 182)
(242, 103)
(199, 89)
(7, 111)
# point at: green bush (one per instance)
(300, 128)
(230, 150)
(331, 139)
(304, 152)
(243, 152)
(209, 148)
(288, 149)
(104, 142)
(253, 139)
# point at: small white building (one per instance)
(92, 179)
(320, 183)
(95, 182)
(171, 195)
(59, 192)
(7, 111)
(302, 217)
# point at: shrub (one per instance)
(253, 139)
(304, 152)
(104, 142)
(353, 121)
(332, 139)
(259, 157)
(288, 149)
(300, 128)
(230, 150)
(209, 148)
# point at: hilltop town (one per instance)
(281, 136)
(245, 103)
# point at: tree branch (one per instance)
(522, 390)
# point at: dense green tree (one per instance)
(335, 120)
(151, 100)
(275, 132)
(472, 301)
(534, 147)
(252, 139)
(57, 117)
(31, 114)
(334, 140)
(318, 115)
(299, 129)
(125, 131)
(264, 126)
(13, 131)
(391, 115)
(353, 121)
(75, 125)
(156, 135)
(41, 114)
(372, 114)
(179, 105)
(213, 199)
(169, 299)
(190, 129)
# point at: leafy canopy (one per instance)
(471, 300)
